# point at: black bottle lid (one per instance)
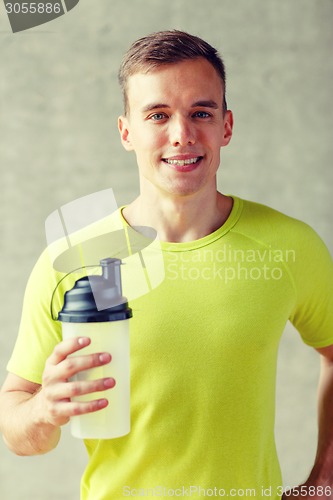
(97, 298)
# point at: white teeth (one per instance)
(181, 163)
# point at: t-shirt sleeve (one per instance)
(312, 273)
(38, 332)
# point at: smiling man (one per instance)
(176, 124)
(204, 343)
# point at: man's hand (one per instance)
(31, 414)
(319, 485)
(56, 390)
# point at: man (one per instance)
(204, 343)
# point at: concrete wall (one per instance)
(59, 102)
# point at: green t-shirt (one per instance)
(204, 346)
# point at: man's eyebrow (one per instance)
(205, 104)
(151, 107)
(197, 104)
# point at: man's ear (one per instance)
(228, 126)
(123, 127)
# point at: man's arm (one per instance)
(31, 415)
(21, 421)
(322, 472)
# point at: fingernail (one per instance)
(104, 358)
(83, 340)
(109, 382)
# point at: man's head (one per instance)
(167, 47)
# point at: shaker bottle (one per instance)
(107, 325)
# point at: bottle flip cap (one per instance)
(97, 298)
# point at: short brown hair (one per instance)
(167, 47)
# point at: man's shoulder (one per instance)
(261, 214)
(268, 224)
(85, 246)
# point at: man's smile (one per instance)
(183, 164)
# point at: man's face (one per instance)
(176, 127)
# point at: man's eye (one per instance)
(201, 114)
(157, 117)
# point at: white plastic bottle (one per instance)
(95, 308)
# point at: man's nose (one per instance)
(182, 132)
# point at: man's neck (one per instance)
(180, 219)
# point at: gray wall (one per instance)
(59, 102)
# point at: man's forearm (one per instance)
(322, 472)
(24, 430)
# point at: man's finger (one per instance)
(67, 347)
(67, 390)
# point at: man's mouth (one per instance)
(182, 163)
